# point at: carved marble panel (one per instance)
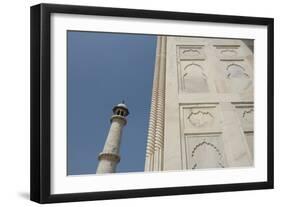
(245, 112)
(204, 151)
(229, 52)
(200, 118)
(191, 52)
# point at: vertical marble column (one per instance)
(155, 140)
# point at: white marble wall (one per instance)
(208, 105)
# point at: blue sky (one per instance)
(104, 69)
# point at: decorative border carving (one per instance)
(191, 153)
(247, 112)
(192, 112)
(228, 48)
(191, 52)
(194, 123)
(207, 143)
(244, 109)
(229, 52)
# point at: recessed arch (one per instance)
(236, 71)
(194, 79)
(206, 155)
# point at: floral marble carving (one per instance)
(200, 118)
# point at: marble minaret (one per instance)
(109, 157)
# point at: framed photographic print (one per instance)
(133, 103)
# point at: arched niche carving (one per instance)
(239, 79)
(206, 155)
(236, 71)
(194, 79)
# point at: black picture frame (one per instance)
(41, 98)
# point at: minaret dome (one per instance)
(121, 109)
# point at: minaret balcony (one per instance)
(109, 156)
(118, 117)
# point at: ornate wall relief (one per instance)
(191, 52)
(238, 78)
(200, 118)
(194, 79)
(248, 116)
(235, 77)
(228, 52)
(236, 71)
(245, 113)
(201, 129)
(232, 62)
(201, 132)
(204, 151)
